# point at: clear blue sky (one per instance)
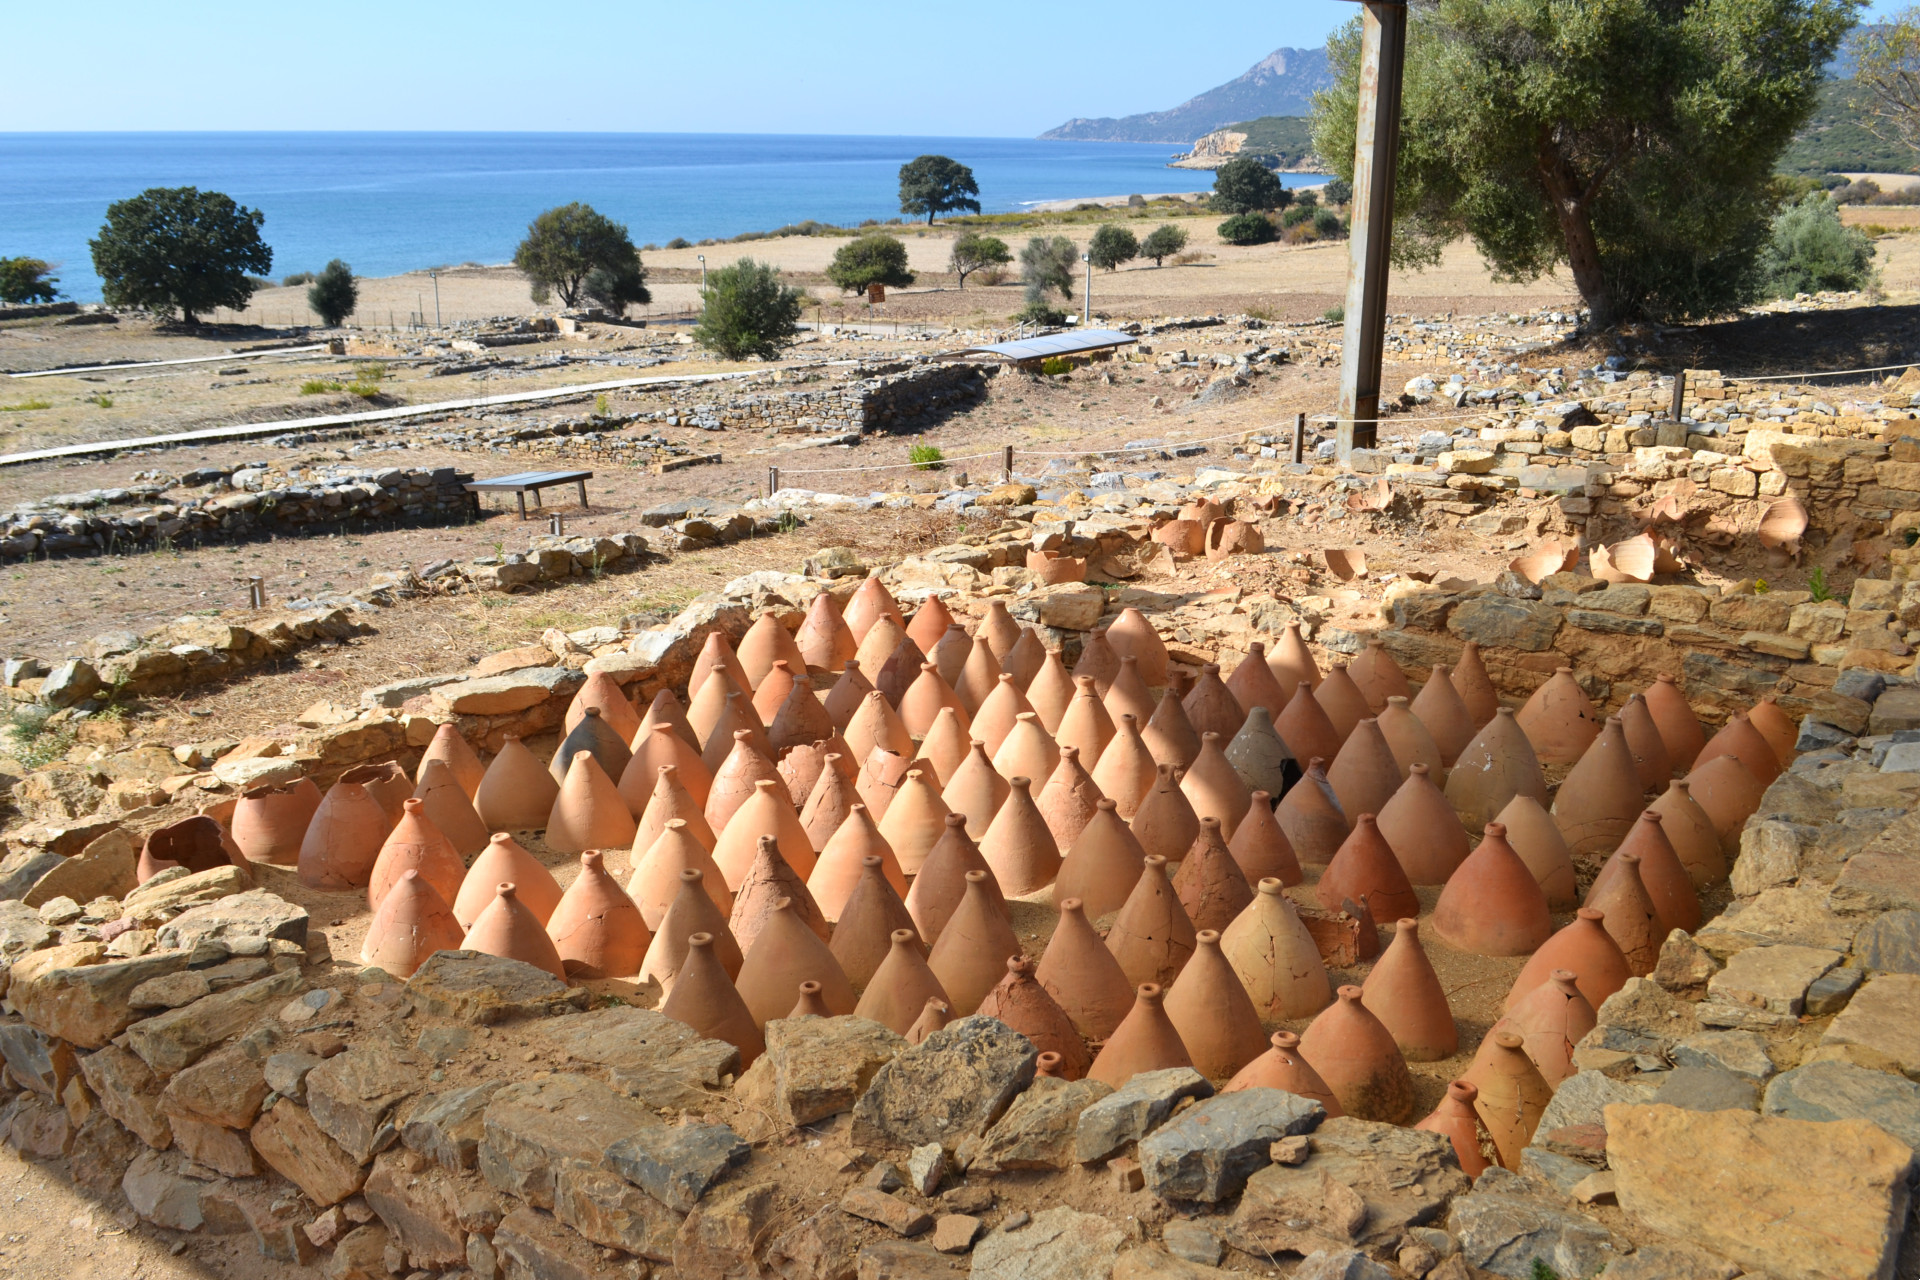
(751, 66)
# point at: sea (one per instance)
(387, 203)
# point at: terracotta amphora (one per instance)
(771, 880)
(1305, 728)
(1776, 726)
(1457, 1118)
(448, 807)
(1169, 735)
(1673, 717)
(505, 928)
(1403, 991)
(1552, 1019)
(888, 659)
(1260, 756)
(1276, 957)
(1102, 866)
(1024, 1004)
(269, 823)
(880, 780)
(1211, 885)
(1587, 950)
(1691, 833)
(1133, 636)
(1645, 745)
(1126, 770)
(1165, 822)
(601, 691)
(411, 924)
(872, 913)
(1291, 661)
(597, 928)
(899, 989)
(1129, 694)
(1342, 700)
(1214, 787)
(1024, 660)
(1152, 937)
(1676, 904)
(692, 912)
(503, 860)
(593, 734)
(1018, 847)
(783, 954)
(451, 749)
(809, 1004)
(1738, 738)
(979, 677)
(1261, 847)
(589, 812)
(705, 999)
(837, 873)
(669, 802)
(1559, 719)
(344, 838)
(1068, 800)
(1497, 765)
(716, 650)
(930, 622)
(1086, 724)
(829, 803)
(1628, 914)
(914, 821)
(846, 695)
(663, 749)
(1211, 706)
(1051, 692)
(656, 873)
(735, 716)
(1513, 1094)
(1028, 751)
(416, 844)
(1356, 1056)
(1253, 685)
(1728, 793)
(798, 720)
(737, 780)
(1378, 677)
(937, 1014)
(1493, 906)
(387, 783)
(1144, 1041)
(1366, 869)
(1475, 687)
(940, 887)
(997, 630)
(1422, 830)
(1364, 775)
(802, 766)
(1447, 720)
(1409, 740)
(974, 944)
(945, 748)
(765, 813)
(976, 791)
(516, 793)
(1601, 796)
(666, 709)
(824, 640)
(998, 713)
(1211, 1013)
(1310, 816)
(870, 602)
(925, 698)
(1082, 976)
(1281, 1067)
(1536, 837)
(1099, 662)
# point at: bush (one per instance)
(333, 294)
(1328, 225)
(748, 312)
(974, 252)
(180, 248)
(1810, 251)
(1295, 216)
(1338, 315)
(1164, 241)
(1040, 312)
(1303, 200)
(319, 387)
(1248, 228)
(567, 244)
(926, 457)
(1111, 246)
(1339, 192)
(1055, 366)
(1856, 192)
(25, 280)
(1245, 186)
(1047, 264)
(875, 258)
(679, 242)
(297, 279)
(618, 287)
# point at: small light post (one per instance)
(435, 277)
(703, 280)
(1086, 310)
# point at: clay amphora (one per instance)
(387, 783)
(882, 652)
(738, 779)
(1728, 793)
(411, 924)
(771, 880)
(824, 642)
(1050, 692)
(1086, 724)
(800, 768)
(199, 843)
(1470, 681)
(1017, 845)
(1292, 662)
(1214, 788)
(799, 719)
(1460, 1122)
(1169, 735)
(1024, 660)
(1276, 957)
(1364, 775)
(1305, 728)
(1552, 1019)
(1252, 683)
(1126, 769)
(998, 629)
(998, 713)
(1447, 720)
(1691, 833)
(1559, 720)
(666, 709)
(1601, 796)
(1068, 800)
(1211, 706)
(1493, 906)
(450, 810)
(1099, 662)
(868, 920)
(592, 734)
(925, 698)
(1165, 822)
(979, 677)
(1535, 836)
(976, 790)
(597, 928)
(715, 651)
(766, 813)
(941, 885)
(1586, 949)
(870, 602)
(600, 690)
(1409, 740)
(692, 912)
(1628, 915)
(1513, 1094)
(1102, 866)
(1211, 885)
(880, 780)
(1355, 1054)
(735, 716)
(1366, 869)
(516, 793)
(1281, 1067)
(944, 748)
(1260, 756)
(1023, 1004)
(705, 999)
(1211, 1013)
(915, 819)
(828, 804)
(1378, 677)
(1645, 745)
(663, 749)
(1310, 816)
(1152, 937)
(656, 874)
(844, 698)
(452, 750)
(1405, 994)
(1028, 751)
(783, 954)
(899, 989)
(1342, 700)
(937, 1014)
(1679, 727)
(269, 823)
(1082, 976)
(1133, 636)
(505, 928)
(1144, 1041)
(835, 875)
(1676, 904)
(416, 844)
(1129, 695)
(1420, 827)
(809, 1004)
(1497, 765)
(1738, 738)
(669, 802)
(503, 860)
(589, 812)
(1261, 847)
(930, 623)
(344, 838)
(974, 944)
(1776, 727)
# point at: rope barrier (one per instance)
(1838, 373)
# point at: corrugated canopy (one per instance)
(1070, 343)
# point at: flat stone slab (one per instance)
(1362, 1183)
(1883, 1015)
(1038, 1130)
(1741, 1052)
(539, 1127)
(473, 987)
(1843, 1091)
(648, 1055)
(1208, 1151)
(1707, 1089)
(1798, 916)
(1889, 943)
(1877, 879)
(1057, 1243)
(1134, 1110)
(818, 1067)
(257, 916)
(1772, 978)
(678, 1164)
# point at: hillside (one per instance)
(1281, 84)
(1837, 140)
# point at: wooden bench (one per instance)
(530, 482)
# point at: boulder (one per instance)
(1884, 1016)
(1829, 1091)
(447, 1127)
(608, 1210)
(532, 1246)
(129, 1092)
(1109, 1125)
(1507, 1223)
(287, 1139)
(526, 1145)
(1362, 1183)
(257, 916)
(104, 869)
(724, 1236)
(420, 1203)
(1208, 1151)
(175, 890)
(353, 1097)
(951, 1085)
(86, 1003)
(1039, 1129)
(814, 1068)
(474, 987)
(647, 1055)
(678, 1164)
(177, 1038)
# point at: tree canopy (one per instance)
(28, 280)
(747, 311)
(1632, 140)
(1811, 250)
(567, 244)
(1164, 241)
(974, 252)
(1886, 78)
(180, 247)
(874, 258)
(1048, 263)
(333, 294)
(936, 184)
(1112, 245)
(1244, 185)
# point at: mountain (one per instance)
(1280, 84)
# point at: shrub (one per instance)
(319, 387)
(875, 258)
(1164, 241)
(1339, 191)
(1338, 315)
(1856, 192)
(1055, 366)
(1329, 225)
(1304, 200)
(333, 294)
(27, 280)
(1244, 185)
(1047, 264)
(926, 457)
(26, 406)
(679, 242)
(1295, 216)
(180, 248)
(1111, 246)
(1809, 250)
(297, 279)
(1247, 228)
(1039, 311)
(567, 244)
(974, 252)
(748, 312)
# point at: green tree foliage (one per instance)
(27, 280)
(747, 311)
(1887, 79)
(618, 287)
(1248, 228)
(1812, 251)
(1164, 241)
(936, 184)
(1041, 312)
(974, 252)
(180, 247)
(1339, 192)
(567, 244)
(1113, 245)
(1244, 185)
(1632, 140)
(333, 293)
(1048, 263)
(874, 258)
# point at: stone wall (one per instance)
(873, 398)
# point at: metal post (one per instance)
(556, 524)
(256, 593)
(1383, 51)
(1006, 464)
(773, 481)
(1299, 437)
(435, 277)
(703, 282)
(1679, 394)
(1086, 310)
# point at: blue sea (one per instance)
(393, 202)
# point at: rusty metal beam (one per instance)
(1383, 54)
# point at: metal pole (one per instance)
(1006, 464)
(1299, 437)
(703, 286)
(1383, 51)
(773, 481)
(256, 593)
(1679, 393)
(1086, 310)
(435, 277)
